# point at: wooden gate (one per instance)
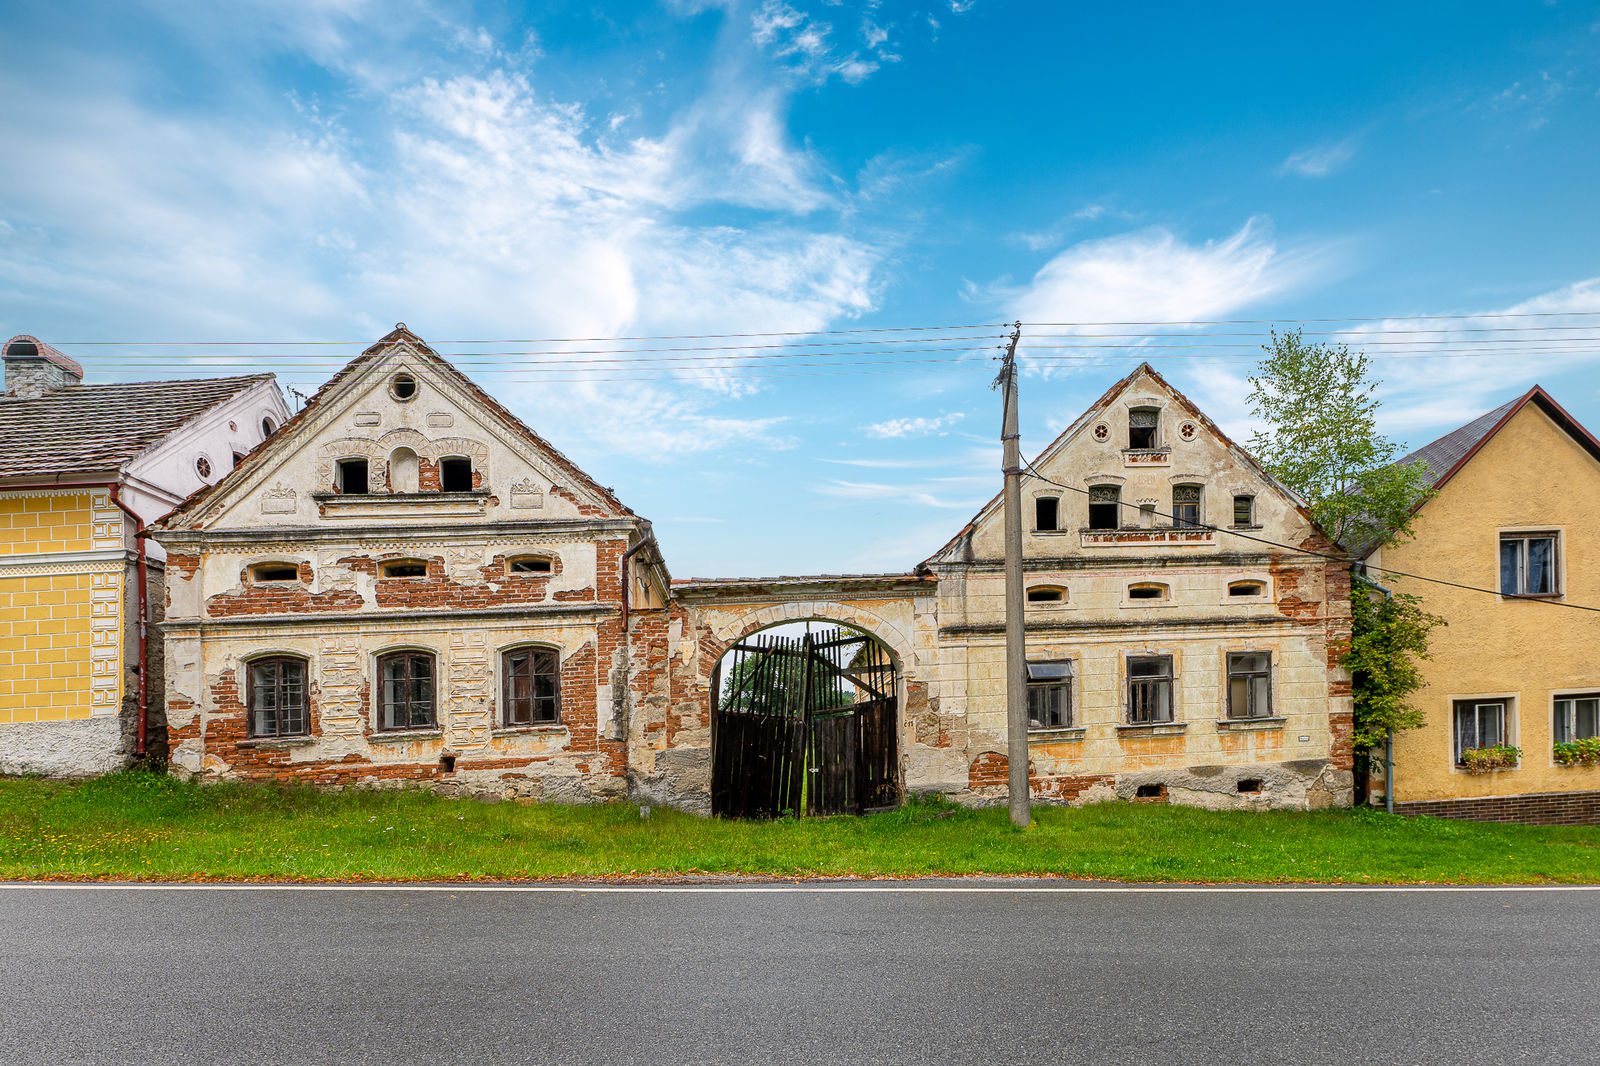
(804, 725)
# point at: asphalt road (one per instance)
(807, 976)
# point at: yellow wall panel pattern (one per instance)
(56, 522)
(60, 647)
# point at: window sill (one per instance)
(529, 730)
(1532, 595)
(398, 736)
(1151, 729)
(1249, 725)
(275, 743)
(1052, 736)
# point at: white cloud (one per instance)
(897, 428)
(1319, 160)
(1495, 356)
(1152, 275)
(919, 495)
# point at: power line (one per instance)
(1320, 555)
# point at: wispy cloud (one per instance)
(1153, 275)
(1319, 160)
(896, 428)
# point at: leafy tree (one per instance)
(1322, 441)
(1388, 635)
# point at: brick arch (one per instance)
(737, 628)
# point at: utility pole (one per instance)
(1016, 650)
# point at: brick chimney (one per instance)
(33, 368)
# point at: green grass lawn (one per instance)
(138, 825)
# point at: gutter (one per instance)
(144, 614)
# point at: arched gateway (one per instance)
(804, 720)
(806, 682)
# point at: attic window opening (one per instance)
(1104, 503)
(202, 466)
(267, 427)
(1186, 506)
(1142, 425)
(405, 568)
(1047, 514)
(1147, 592)
(455, 475)
(1246, 588)
(350, 477)
(403, 387)
(530, 564)
(1047, 594)
(1244, 510)
(274, 572)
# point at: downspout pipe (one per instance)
(1359, 572)
(143, 578)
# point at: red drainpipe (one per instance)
(144, 612)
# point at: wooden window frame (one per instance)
(1108, 496)
(253, 691)
(520, 712)
(1181, 520)
(1235, 670)
(1249, 502)
(386, 712)
(1138, 697)
(1047, 677)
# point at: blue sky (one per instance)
(317, 171)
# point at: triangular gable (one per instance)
(1090, 415)
(400, 340)
(1446, 456)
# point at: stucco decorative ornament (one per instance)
(1102, 432)
(526, 494)
(278, 500)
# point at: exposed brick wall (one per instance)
(1534, 808)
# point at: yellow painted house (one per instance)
(82, 469)
(1516, 519)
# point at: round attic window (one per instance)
(202, 466)
(267, 427)
(403, 387)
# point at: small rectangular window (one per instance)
(350, 477)
(531, 682)
(1528, 565)
(404, 568)
(1046, 514)
(1046, 594)
(1246, 588)
(529, 564)
(1250, 685)
(455, 475)
(1147, 592)
(1050, 695)
(1149, 689)
(1186, 506)
(276, 694)
(1478, 725)
(1577, 717)
(1244, 510)
(1104, 505)
(274, 572)
(1142, 423)
(405, 699)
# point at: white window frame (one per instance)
(1557, 564)
(1570, 696)
(1509, 729)
(1063, 680)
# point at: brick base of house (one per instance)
(1534, 808)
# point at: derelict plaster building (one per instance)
(408, 584)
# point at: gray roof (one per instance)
(97, 428)
(1442, 456)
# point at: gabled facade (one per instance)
(82, 469)
(407, 582)
(1170, 654)
(1517, 513)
